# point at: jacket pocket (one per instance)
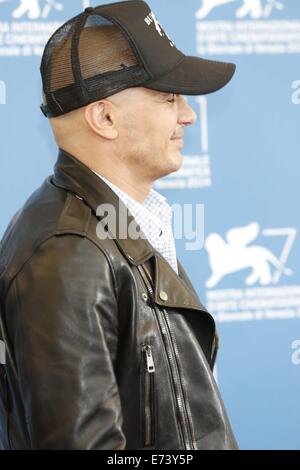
(148, 397)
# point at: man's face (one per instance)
(151, 130)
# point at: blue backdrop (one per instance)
(241, 161)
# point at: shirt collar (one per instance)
(155, 202)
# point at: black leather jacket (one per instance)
(106, 347)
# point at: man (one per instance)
(105, 344)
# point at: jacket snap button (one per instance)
(145, 296)
(163, 295)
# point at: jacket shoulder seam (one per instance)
(12, 277)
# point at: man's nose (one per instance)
(186, 114)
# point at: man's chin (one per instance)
(176, 161)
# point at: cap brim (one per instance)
(194, 76)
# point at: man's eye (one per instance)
(171, 99)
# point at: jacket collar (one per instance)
(72, 175)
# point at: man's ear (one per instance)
(101, 119)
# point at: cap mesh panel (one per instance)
(56, 65)
(87, 59)
(102, 49)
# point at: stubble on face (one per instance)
(148, 124)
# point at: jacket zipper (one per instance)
(186, 410)
(148, 391)
(171, 354)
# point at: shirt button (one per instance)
(145, 296)
(163, 295)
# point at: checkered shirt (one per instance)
(154, 216)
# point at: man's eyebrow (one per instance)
(163, 94)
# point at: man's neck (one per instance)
(117, 173)
(138, 193)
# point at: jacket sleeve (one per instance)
(63, 319)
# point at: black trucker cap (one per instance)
(111, 47)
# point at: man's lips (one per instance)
(177, 137)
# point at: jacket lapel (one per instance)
(172, 290)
